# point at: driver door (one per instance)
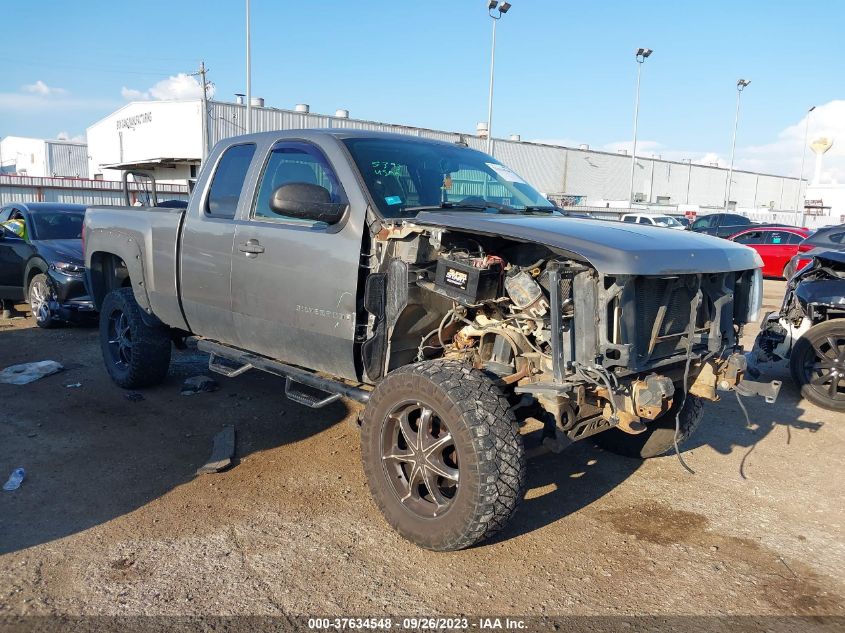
(294, 281)
(14, 253)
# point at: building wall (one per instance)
(43, 158)
(66, 159)
(23, 155)
(154, 130)
(599, 177)
(145, 130)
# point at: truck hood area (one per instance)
(612, 248)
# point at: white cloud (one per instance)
(42, 89)
(181, 86)
(65, 136)
(21, 102)
(782, 156)
(130, 94)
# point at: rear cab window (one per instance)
(228, 181)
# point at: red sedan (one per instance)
(777, 245)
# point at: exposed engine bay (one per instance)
(583, 350)
(814, 295)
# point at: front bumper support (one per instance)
(768, 390)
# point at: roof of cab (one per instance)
(340, 134)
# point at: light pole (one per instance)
(640, 56)
(248, 75)
(495, 11)
(740, 86)
(801, 175)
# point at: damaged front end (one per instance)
(585, 350)
(814, 295)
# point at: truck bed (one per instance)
(147, 239)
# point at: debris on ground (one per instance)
(15, 479)
(198, 384)
(29, 372)
(75, 385)
(222, 452)
(134, 396)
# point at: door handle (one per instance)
(251, 248)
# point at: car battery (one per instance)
(468, 279)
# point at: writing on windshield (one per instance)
(406, 176)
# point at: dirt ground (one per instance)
(113, 520)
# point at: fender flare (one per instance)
(118, 244)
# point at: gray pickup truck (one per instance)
(430, 282)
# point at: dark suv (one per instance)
(44, 267)
(721, 224)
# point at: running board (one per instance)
(231, 361)
(307, 399)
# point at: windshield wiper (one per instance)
(541, 209)
(477, 206)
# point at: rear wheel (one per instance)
(442, 454)
(40, 296)
(659, 437)
(817, 364)
(135, 354)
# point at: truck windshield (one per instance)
(408, 176)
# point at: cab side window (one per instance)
(631, 219)
(701, 223)
(644, 220)
(228, 181)
(294, 162)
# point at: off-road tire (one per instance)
(491, 456)
(46, 319)
(804, 355)
(149, 358)
(659, 438)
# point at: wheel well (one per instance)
(106, 273)
(36, 268)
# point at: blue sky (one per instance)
(565, 71)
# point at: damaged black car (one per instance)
(809, 331)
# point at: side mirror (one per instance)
(308, 202)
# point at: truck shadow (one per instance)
(92, 455)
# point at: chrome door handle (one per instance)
(251, 247)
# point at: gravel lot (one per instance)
(112, 519)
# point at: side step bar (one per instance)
(240, 362)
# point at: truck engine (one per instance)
(582, 351)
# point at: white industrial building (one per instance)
(167, 137)
(44, 158)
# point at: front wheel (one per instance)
(659, 437)
(442, 454)
(817, 364)
(136, 354)
(40, 297)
